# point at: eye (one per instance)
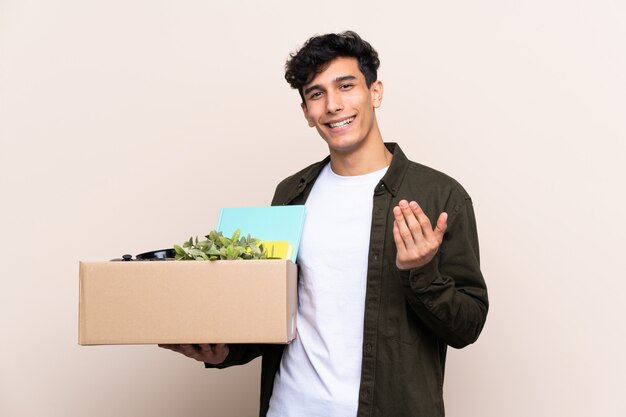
(346, 86)
(315, 95)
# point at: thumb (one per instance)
(442, 225)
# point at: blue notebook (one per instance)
(265, 223)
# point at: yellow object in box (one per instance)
(278, 249)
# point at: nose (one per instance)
(333, 103)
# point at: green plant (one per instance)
(217, 246)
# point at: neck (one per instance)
(368, 158)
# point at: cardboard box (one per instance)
(149, 302)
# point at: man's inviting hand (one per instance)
(209, 353)
(416, 241)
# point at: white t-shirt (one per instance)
(320, 371)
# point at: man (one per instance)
(382, 291)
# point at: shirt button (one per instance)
(366, 394)
(368, 348)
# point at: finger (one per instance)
(215, 353)
(442, 225)
(422, 218)
(192, 351)
(403, 229)
(411, 220)
(187, 350)
(206, 351)
(175, 348)
(211, 348)
(400, 247)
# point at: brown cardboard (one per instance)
(243, 301)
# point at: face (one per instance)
(338, 103)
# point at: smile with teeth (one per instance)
(342, 123)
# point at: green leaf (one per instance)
(213, 235)
(217, 246)
(195, 252)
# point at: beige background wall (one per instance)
(126, 125)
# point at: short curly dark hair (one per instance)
(317, 52)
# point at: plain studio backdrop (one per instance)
(126, 125)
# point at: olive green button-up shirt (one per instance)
(410, 316)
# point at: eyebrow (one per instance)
(337, 80)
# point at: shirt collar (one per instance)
(397, 168)
(389, 183)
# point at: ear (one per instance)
(376, 90)
(305, 110)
